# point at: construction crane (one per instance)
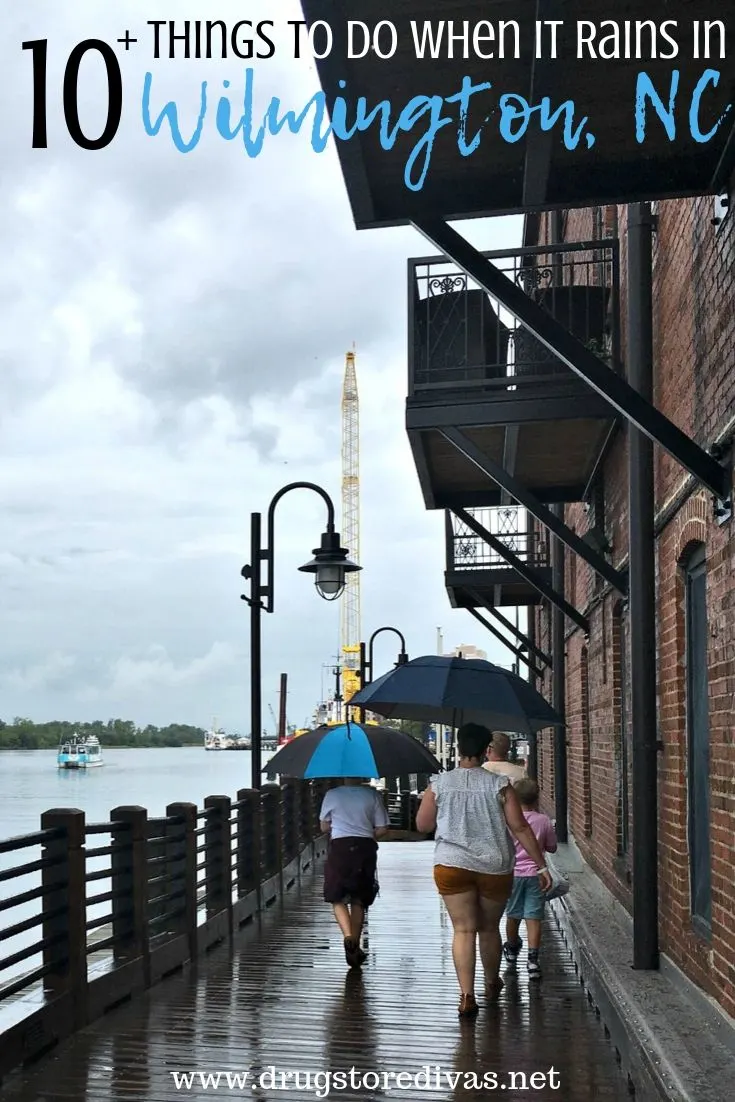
(350, 626)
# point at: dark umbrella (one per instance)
(453, 691)
(352, 750)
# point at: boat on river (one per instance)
(216, 739)
(79, 752)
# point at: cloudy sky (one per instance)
(172, 344)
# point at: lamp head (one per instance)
(330, 566)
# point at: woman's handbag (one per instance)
(559, 884)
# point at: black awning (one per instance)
(538, 171)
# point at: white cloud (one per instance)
(52, 672)
(155, 670)
(172, 334)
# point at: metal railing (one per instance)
(461, 338)
(93, 913)
(468, 551)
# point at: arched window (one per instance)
(697, 728)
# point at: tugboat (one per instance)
(79, 753)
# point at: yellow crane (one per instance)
(350, 625)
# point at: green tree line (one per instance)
(417, 730)
(24, 734)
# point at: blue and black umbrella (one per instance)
(352, 750)
(453, 691)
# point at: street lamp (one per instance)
(329, 566)
(366, 665)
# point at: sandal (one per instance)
(494, 987)
(468, 1006)
(353, 953)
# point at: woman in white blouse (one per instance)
(475, 815)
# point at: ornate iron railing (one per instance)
(468, 551)
(462, 338)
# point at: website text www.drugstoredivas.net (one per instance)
(323, 1084)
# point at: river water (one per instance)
(30, 782)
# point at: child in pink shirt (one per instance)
(527, 901)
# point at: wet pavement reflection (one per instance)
(281, 1019)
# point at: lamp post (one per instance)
(329, 566)
(366, 664)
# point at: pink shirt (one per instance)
(543, 828)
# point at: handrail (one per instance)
(463, 340)
(159, 894)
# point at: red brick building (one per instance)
(694, 386)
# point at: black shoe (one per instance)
(468, 1007)
(534, 968)
(510, 954)
(353, 953)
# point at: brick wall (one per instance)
(694, 334)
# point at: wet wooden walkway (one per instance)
(283, 1002)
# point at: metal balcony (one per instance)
(477, 574)
(473, 366)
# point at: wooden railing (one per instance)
(402, 800)
(105, 910)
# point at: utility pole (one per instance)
(282, 710)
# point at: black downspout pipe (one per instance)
(532, 763)
(558, 691)
(642, 596)
(256, 704)
(558, 674)
(363, 678)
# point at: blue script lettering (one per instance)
(709, 76)
(515, 109)
(645, 92)
(273, 122)
(463, 99)
(170, 113)
(417, 108)
(423, 117)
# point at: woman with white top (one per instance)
(354, 816)
(475, 815)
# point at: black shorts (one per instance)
(350, 872)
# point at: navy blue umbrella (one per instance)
(453, 691)
(352, 750)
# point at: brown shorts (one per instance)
(453, 881)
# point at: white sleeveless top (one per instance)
(471, 832)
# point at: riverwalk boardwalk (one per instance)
(279, 999)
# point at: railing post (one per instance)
(318, 789)
(272, 831)
(315, 803)
(182, 867)
(405, 807)
(65, 934)
(289, 819)
(129, 881)
(248, 841)
(306, 813)
(218, 856)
